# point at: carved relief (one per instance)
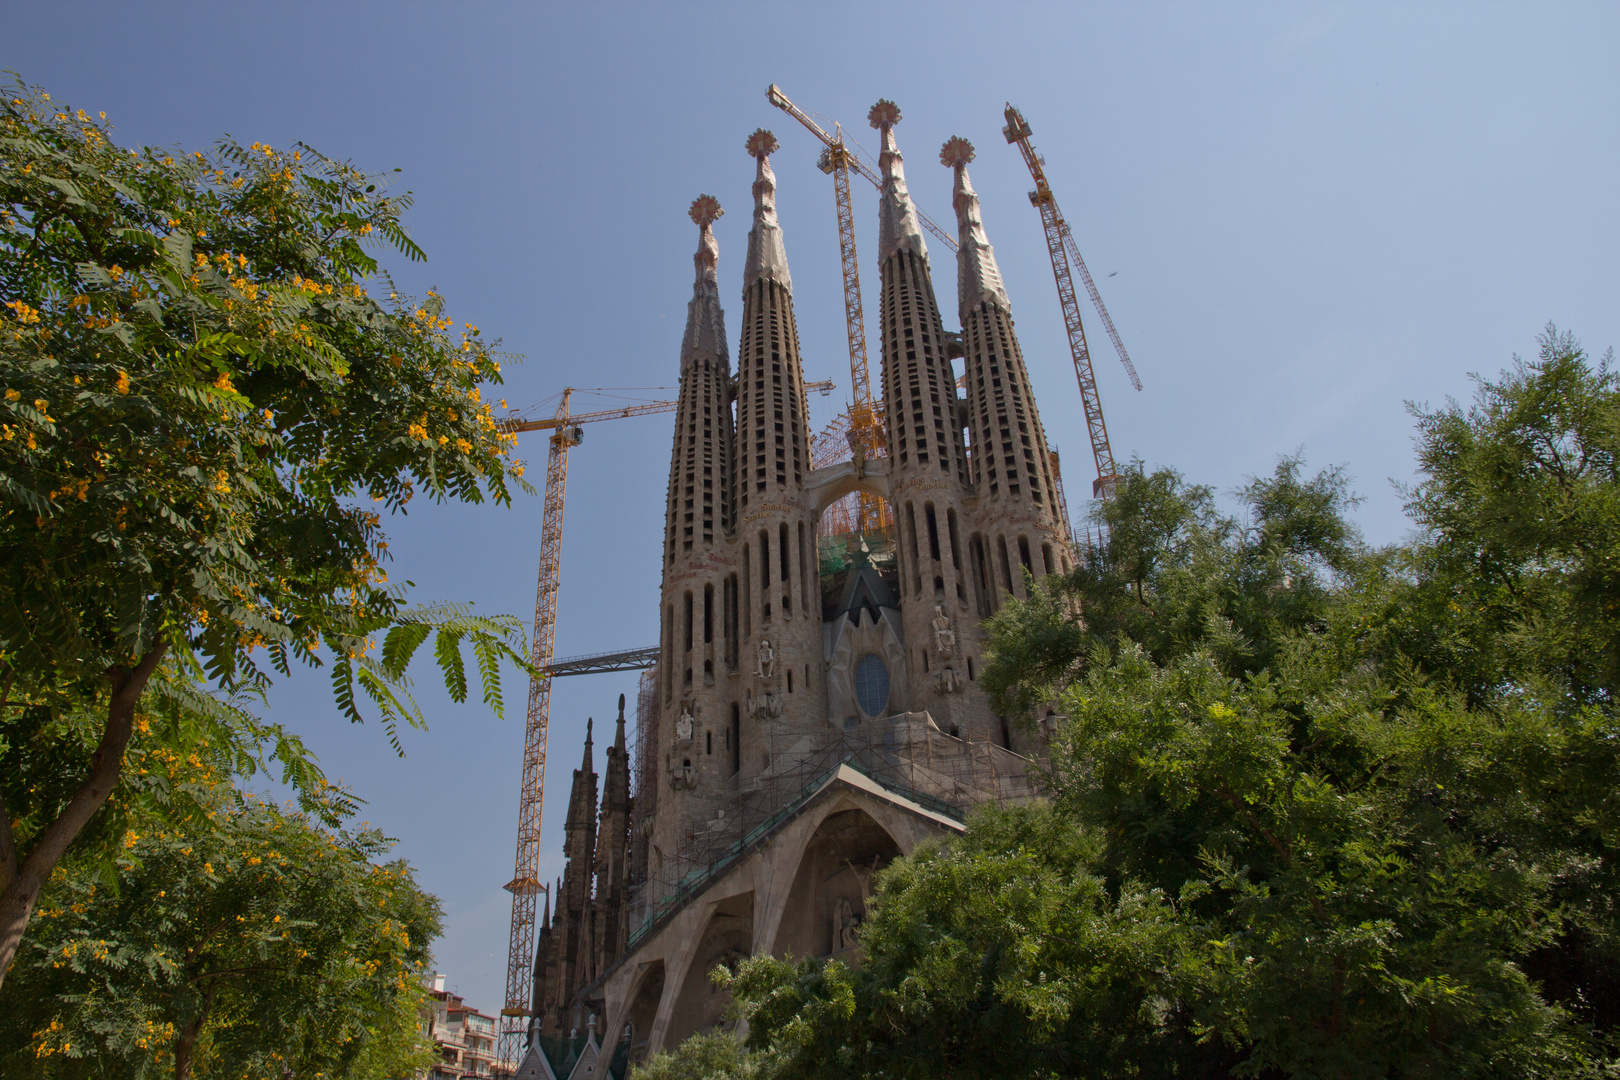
(682, 776)
(944, 636)
(765, 706)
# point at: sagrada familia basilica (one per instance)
(816, 710)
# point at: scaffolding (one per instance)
(643, 772)
(906, 753)
(830, 447)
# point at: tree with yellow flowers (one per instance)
(208, 384)
(251, 943)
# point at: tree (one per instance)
(256, 944)
(710, 1055)
(1004, 953)
(199, 392)
(1371, 791)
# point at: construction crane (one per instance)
(525, 885)
(865, 418)
(855, 160)
(1061, 247)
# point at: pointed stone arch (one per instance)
(827, 900)
(727, 938)
(645, 997)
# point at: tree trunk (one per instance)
(19, 895)
(186, 1041)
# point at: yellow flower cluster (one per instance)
(78, 489)
(22, 312)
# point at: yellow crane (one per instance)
(525, 886)
(1061, 247)
(865, 424)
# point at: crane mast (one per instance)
(774, 94)
(525, 885)
(865, 420)
(1061, 247)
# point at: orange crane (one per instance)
(525, 885)
(865, 413)
(865, 419)
(855, 161)
(1061, 247)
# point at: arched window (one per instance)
(872, 684)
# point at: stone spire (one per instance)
(542, 959)
(919, 390)
(696, 638)
(705, 321)
(1019, 526)
(978, 279)
(927, 461)
(771, 417)
(779, 602)
(897, 219)
(767, 258)
(699, 496)
(613, 852)
(571, 931)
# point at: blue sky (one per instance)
(1301, 216)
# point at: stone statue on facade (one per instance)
(765, 660)
(949, 683)
(944, 636)
(683, 725)
(845, 923)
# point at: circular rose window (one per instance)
(872, 684)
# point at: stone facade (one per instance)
(812, 715)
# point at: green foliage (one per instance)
(1176, 574)
(1003, 954)
(1317, 810)
(1522, 499)
(710, 1055)
(198, 385)
(256, 945)
(201, 392)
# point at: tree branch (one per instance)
(18, 897)
(8, 848)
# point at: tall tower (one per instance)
(697, 640)
(569, 940)
(781, 675)
(928, 477)
(612, 852)
(1017, 527)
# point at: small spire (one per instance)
(705, 321)
(978, 278)
(618, 737)
(589, 722)
(897, 218)
(545, 921)
(767, 258)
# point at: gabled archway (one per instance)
(643, 1009)
(727, 938)
(827, 902)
